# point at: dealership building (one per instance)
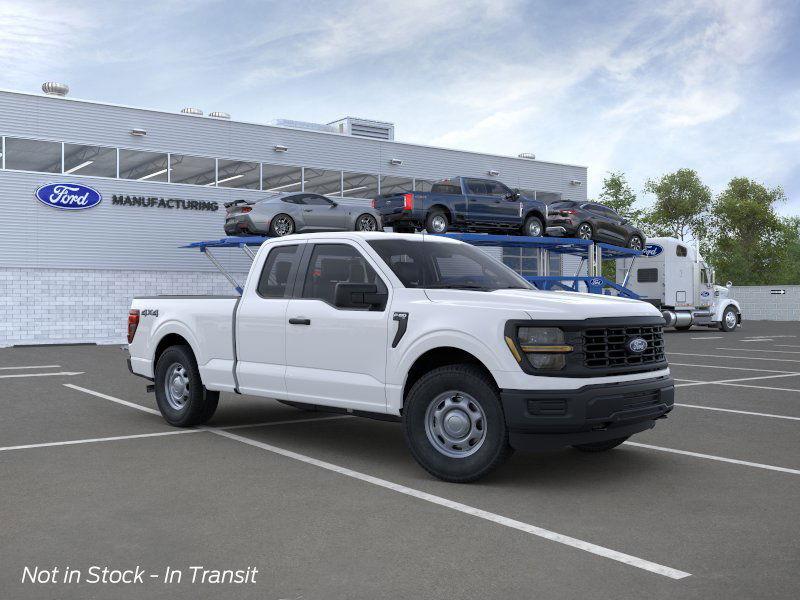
(67, 276)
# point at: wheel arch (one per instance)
(444, 208)
(167, 341)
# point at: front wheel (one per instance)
(454, 424)
(366, 222)
(533, 227)
(729, 320)
(281, 225)
(600, 446)
(180, 394)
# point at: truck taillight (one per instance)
(133, 323)
(408, 201)
(372, 203)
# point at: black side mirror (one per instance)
(334, 204)
(513, 195)
(359, 295)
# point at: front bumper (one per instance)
(542, 420)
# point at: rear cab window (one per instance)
(446, 186)
(277, 276)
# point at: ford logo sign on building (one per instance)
(636, 345)
(652, 250)
(68, 196)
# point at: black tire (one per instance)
(636, 243)
(683, 327)
(582, 231)
(475, 388)
(278, 221)
(601, 446)
(533, 227)
(198, 405)
(434, 223)
(366, 222)
(729, 324)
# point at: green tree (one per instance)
(617, 194)
(750, 243)
(681, 205)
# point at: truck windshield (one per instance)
(431, 264)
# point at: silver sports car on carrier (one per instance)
(297, 212)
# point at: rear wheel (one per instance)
(635, 243)
(366, 222)
(281, 225)
(437, 222)
(533, 227)
(601, 446)
(180, 394)
(454, 424)
(584, 232)
(729, 320)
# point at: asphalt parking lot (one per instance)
(703, 506)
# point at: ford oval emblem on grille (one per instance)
(636, 345)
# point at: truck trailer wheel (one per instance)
(729, 320)
(180, 394)
(601, 446)
(454, 424)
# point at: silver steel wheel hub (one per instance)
(439, 223)
(176, 386)
(455, 424)
(366, 223)
(730, 318)
(535, 230)
(283, 226)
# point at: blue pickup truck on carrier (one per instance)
(464, 204)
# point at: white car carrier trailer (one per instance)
(673, 276)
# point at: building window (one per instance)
(33, 155)
(359, 185)
(321, 181)
(280, 178)
(96, 161)
(194, 170)
(237, 174)
(144, 166)
(396, 185)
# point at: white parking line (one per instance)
(691, 382)
(95, 440)
(708, 337)
(63, 373)
(759, 350)
(740, 412)
(466, 509)
(786, 346)
(739, 357)
(112, 399)
(761, 387)
(673, 364)
(717, 458)
(30, 367)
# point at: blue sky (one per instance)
(641, 87)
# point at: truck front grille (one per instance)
(605, 347)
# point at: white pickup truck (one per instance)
(426, 330)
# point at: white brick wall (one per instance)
(758, 304)
(48, 306)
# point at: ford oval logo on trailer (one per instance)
(652, 250)
(68, 196)
(636, 345)
(597, 282)
(705, 293)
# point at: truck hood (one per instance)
(567, 306)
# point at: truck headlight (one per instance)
(542, 347)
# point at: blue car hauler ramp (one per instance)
(590, 252)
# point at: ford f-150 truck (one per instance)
(426, 330)
(464, 204)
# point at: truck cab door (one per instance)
(320, 213)
(261, 321)
(336, 356)
(705, 288)
(488, 205)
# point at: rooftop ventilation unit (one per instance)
(192, 111)
(527, 155)
(51, 88)
(219, 115)
(376, 130)
(303, 125)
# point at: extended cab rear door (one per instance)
(261, 320)
(487, 203)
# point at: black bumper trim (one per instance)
(541, 419)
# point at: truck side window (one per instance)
(495, 188)
(681, 250)
(446, 187)
(476, 186)
(647, 275)
(336, 263)
(279, 270)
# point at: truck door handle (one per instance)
(299, 321)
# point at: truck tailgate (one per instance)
(204, 322)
